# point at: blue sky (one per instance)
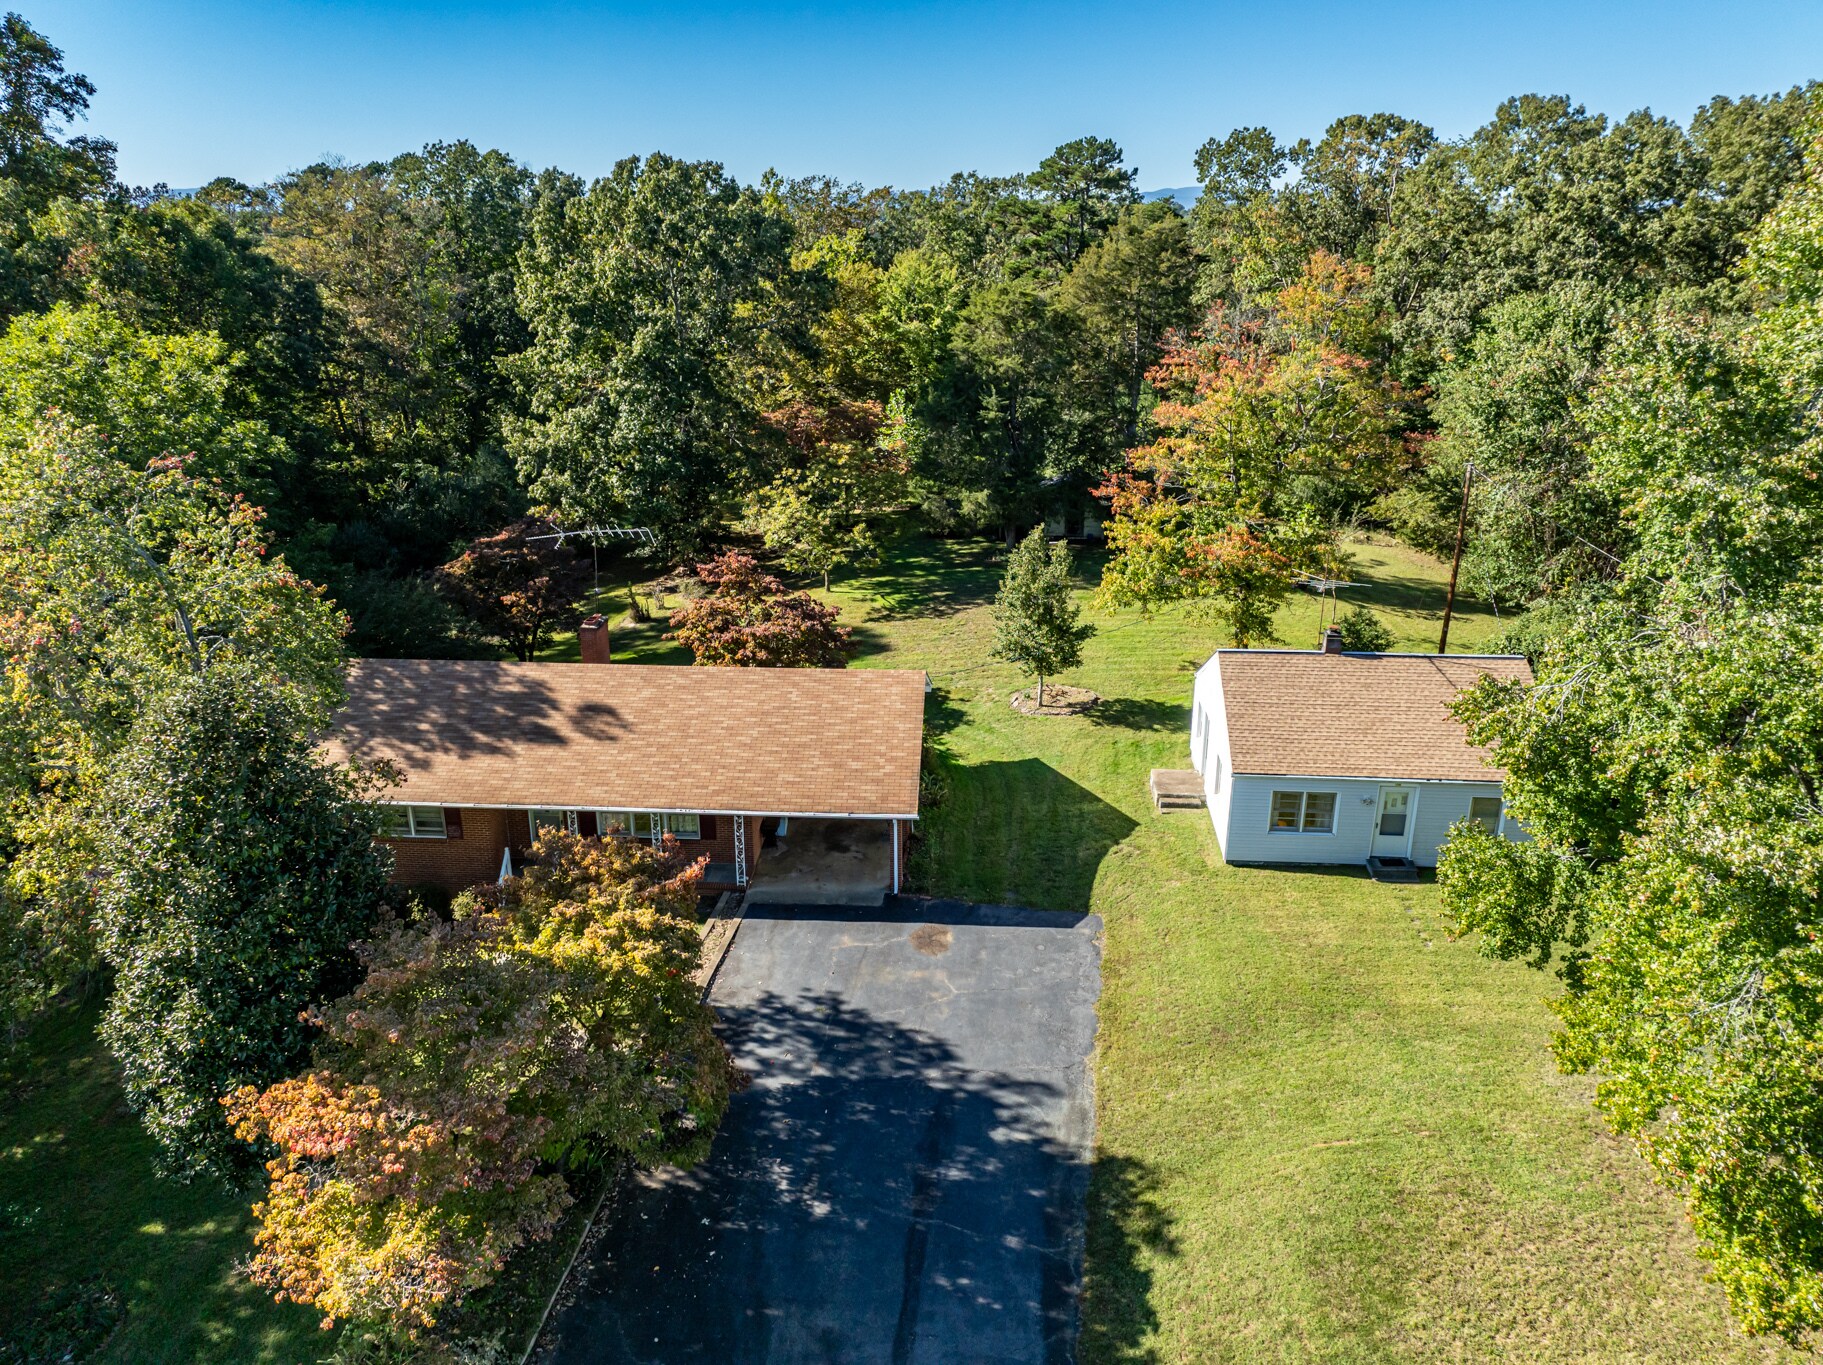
(891, 92)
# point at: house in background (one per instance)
(741, 764)
(1321, 756)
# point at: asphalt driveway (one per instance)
(903, 1181)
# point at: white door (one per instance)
(1392, 822)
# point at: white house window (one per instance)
(648, 825)
(1485, 811)
(542, 820)
(1303, 813)
(414, 822)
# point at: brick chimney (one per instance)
(593, 636)
(1332, 641)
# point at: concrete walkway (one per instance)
(904, 1180)
(827, 862)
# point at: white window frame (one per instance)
(656, 824)
(1500, 816)
(1303, 797)
(412, 817)
(569, 819)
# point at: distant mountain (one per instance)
(1185, 196)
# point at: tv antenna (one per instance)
(1325, 589)
(597, 536)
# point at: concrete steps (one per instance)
(1177, 789)
(1392, 869)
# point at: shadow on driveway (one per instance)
(903, 1182)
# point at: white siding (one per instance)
(1240, 808)
(1441, 805)
(1210, 756)
(1252, 840)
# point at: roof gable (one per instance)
(796, 741)
(1313, 714)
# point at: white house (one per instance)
(1321, 756)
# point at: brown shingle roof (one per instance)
(788, 741)
(1312, 714)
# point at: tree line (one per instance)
(394, 358)
(246, 429)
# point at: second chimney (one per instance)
(1332, 642)
(592, 634)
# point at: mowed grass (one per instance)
(80, 1204)
(1326, 1132)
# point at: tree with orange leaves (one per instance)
(1270, 425)
(553, 1023)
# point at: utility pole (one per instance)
(1462, 521)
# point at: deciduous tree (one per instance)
(747, 619)
(117, 585)
(1668, 764)
(816, 513)
(553, 1023)
(1270, 427)
(1037, 624)
(651, 297)
(516, 586)
(151, 395)
(38, 98)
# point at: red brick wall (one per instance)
(457, 864)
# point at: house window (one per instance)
(541, 820)
(1485, 811)
(413, 822)
(642, 824)
(1303, 813)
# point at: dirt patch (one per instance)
(932, 940)
(1059, 700)
(718, 932)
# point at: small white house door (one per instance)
(1392, 823)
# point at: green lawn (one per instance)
(1326, 1133)
(82, 1214)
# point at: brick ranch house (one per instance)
(729, 760)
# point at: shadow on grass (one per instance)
(1420, 597)
(932, 578)
(1140, 713)
(941, 714)
(870, 1197)
(1129, 1226)
(1016, 832)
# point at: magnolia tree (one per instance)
(553, 1023)
(237, 871)
(1036, 623)
(749, 620)
(118, 585)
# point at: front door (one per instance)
(1392, 822)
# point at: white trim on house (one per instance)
(1240, 802)
(674, 810)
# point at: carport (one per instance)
(827, 862)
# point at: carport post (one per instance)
(895, 857)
